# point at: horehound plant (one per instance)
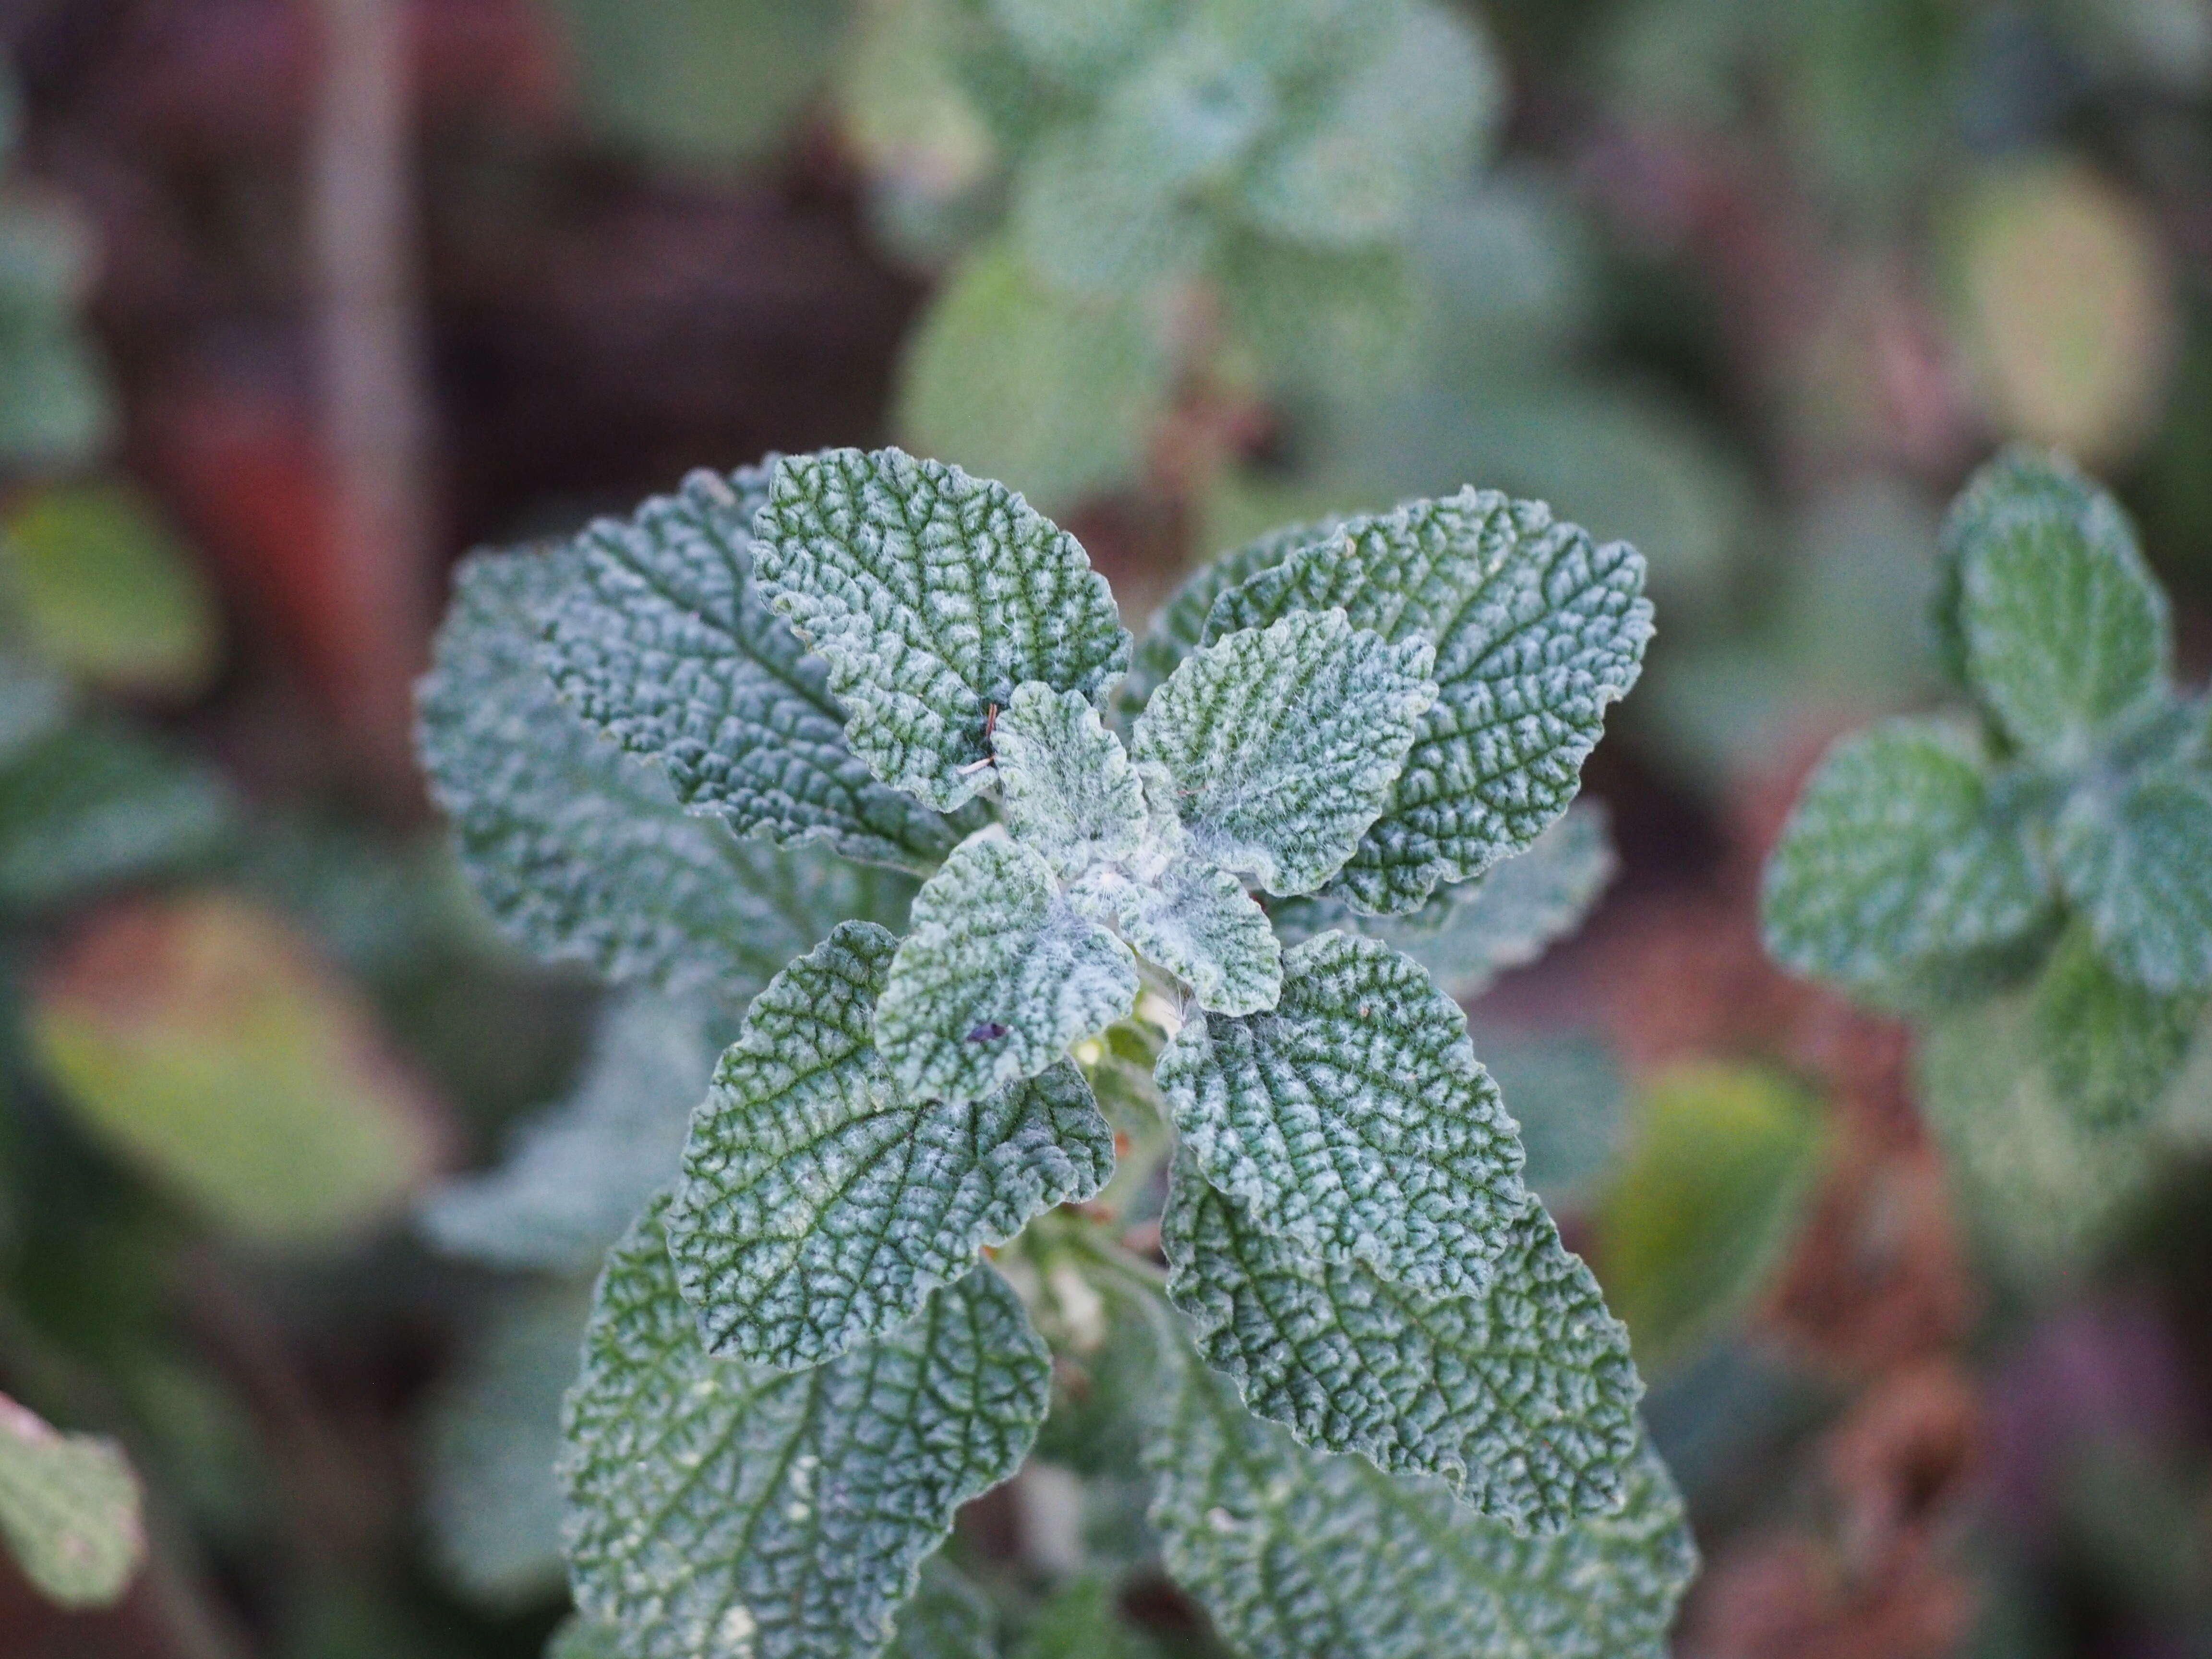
(2029, 881)
(1133, 1123)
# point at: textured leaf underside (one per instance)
(1065, 781)
(1522, 1399)
(1299, 1554)
(998, 977)
(663, 643)
(1896, 856)
(1354, 1118)
(579, 852)
(720, 1511)
(932, 595)
(821, 1206)
(1537, 629)
(1281, 743)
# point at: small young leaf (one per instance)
(720, 1512)
(2019, 490)
(1897, 854)
(580, 853)
(69, 1510)
(579, 1173)
(932, 595)
(2064, 630)
(1066, 782)
(1521, 1399)
(1180, 626)
(2111, 1046)
(2134, 858)
(1299, 1554)
(1000, 975)
(1354, 1118)
(820, 1205)
(1536, 628)
(1200, 925)
(1282, 742)
(662, 641)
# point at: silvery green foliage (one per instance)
(821, 1204)
(580, 853)
(797, 1367)
(1278, 745)
(1355, 1117)
(932, 596)
(663, 643)
(1301, 1555)
(999, 977)
(720, 1511)
(1177, 631)
(1537, 629)
(1521, 1397)
(576, 1175)
(2056, 854)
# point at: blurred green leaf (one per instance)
(1082, 1622)
(2111, 1045)
(1723, 1160)
(106, 591)
(68, 1509)
(203, 1040)
(55, 411)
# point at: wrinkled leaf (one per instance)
(1180, 626)
(820, 1205)
(1354, 1118)
(1200, 924)
(1065, 782)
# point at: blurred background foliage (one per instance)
(284, 1128)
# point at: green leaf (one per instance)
(948, 1619)
(1017, 378)
(1065, 783)
(1899, 854)
(2136, 858)
(1521, 1399)
(1082, 1621)
(662, 641)
(578, 1638)
(1510, 917)
(97, 803)
(494, 1434)
(1355, 1119)
(717, 1511)
(580, 853)
(104, 591)
(2064, 630)
(68, 1509)
(1180, 626)
(1200, 925)
(577, 1175)
(932, 595)
(1280, 743)
(820, 1205)
(1304, 1555)
(1000, 975)
(2111, 1046)
(1714, 1190)
(1537, 631)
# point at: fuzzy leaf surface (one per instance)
(69, 1510)
(581, 852)
(1537, 629)
(1281, 743)
(1898, 853)
(1179, 628)
(577, 1175)
(932, 595)
(1521, 1399)
(999, 976)
(2063, 629)
(1200, 924)
(1299, 1554)
(1065, 781)
(821, 1205)
(1355, 1118)
(720, 1511)
(2135, 860)
(663, 643)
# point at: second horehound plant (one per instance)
(1146, 989)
